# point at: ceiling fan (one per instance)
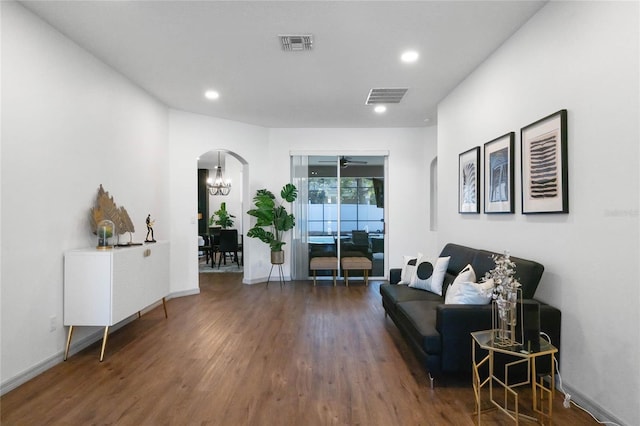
(345, 162)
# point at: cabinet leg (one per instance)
(66, 349)
(104, 342)
(164, 305)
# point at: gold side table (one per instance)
(502, 394)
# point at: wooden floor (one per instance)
(247, 355)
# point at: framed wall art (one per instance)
(545, 180)
(469, 181)
(498, 175)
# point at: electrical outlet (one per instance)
(53, 323)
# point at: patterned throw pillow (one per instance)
(408, 267)
(429, 277)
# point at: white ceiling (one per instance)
(176, 50)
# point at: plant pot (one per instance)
(277, 257)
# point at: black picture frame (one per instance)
(469, 181)
(544, 157)
(499, 192)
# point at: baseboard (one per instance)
(58, 357)
(591, 406)
(264, 280)
(77, 346)
(183, 293)
(25, 376)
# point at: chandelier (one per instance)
(219, 186)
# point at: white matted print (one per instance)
(498, 175)
(545, 182)
(469, 181)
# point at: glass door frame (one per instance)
(300, 238)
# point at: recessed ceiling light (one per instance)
(211, 94)
(380, 109)
(409, 56)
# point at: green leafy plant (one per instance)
(224, 219)
(273, 220)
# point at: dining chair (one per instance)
(228, 245)
(214, 237)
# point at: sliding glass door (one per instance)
(339, 211)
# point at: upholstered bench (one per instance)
(357, 263)
(324, 263)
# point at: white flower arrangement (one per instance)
(505, 285)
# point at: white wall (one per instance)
(582, 56)
(69, 124)
(410, 154)
(190, 136)
(265, 154)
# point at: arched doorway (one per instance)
(212, 204)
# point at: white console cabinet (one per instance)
(104, 287)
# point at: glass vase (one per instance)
(505, 319)
(106, 234)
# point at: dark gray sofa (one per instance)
(439, 334)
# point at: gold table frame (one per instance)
(542, 396)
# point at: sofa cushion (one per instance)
(461, 256)
(401, 293)
(420, 316)
(470, 293)
(528, 272)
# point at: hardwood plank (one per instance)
(248, 355)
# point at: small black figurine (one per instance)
(150, 230)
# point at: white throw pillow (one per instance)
(470, 293)
(408, 267)
(466, 275)
(434, 282)
(418, 280)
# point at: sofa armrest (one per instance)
(462, 319)
(550, 323)
(455, 323)
(394, 275)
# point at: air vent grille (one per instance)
(386, 95)
(293, 43)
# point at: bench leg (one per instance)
(366, 277)
(346, 277)
(314, 277)
(333, 271)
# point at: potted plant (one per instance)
(273, 220)
(224, 220)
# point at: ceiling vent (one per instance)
(292, 43)
(386, 95)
